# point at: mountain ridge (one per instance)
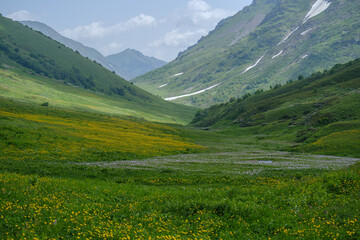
(85, 51)
(278, 49)
(131, 63)
(125, 65)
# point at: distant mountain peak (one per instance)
(131, 63)
(128, 64)
(85, 51)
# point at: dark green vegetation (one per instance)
(131, 63)
(38, 69)
(255, 33)
(321, 112)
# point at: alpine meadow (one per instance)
(251, 133)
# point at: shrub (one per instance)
(45, 104)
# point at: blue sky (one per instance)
(159, 28)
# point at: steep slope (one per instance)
(88, 52)
(31, 58)
(131, 63)
(269, 42)
(322, 111)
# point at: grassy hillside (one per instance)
(41, 55)
(36, 68)
(24, 87)
(278, 47)
(40, 133)
(321, 112)
(194, 59)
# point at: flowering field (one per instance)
(40, 133)
(75, 175)
(321, 207)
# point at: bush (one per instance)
(45, 104)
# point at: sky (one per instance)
(157, 28)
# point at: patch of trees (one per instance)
(41, 64)
(124, 90)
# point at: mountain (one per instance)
(131, 63)
(266, 43)
(127, 64)
(37, 69)
(321, 112)
(85, 51)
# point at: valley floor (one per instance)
(255, 192)
(73, 175)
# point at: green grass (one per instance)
(344, 143)
(17, 85)
(239, 187)
(181, 206)
(40, 133)
(318, 114)
(35, 68)
(80, 168)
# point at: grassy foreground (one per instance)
(156, 205)
(63, 176)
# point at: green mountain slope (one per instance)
(131, 63)
(88, 52)
(264, 44)
(322, 112)
(127, 64)
(38, 60)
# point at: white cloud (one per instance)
(179, 39)
(214, 16)
(95, 29)
(198, 5)
(189, 24)
(200, 14)
(141, 20)
(163, 37)
(22, 15)
(98, 30)
(111, 48)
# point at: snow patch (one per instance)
(287, 36)
(318, 7)
(305, 56)
(164, 85)
(178, 74)
(192, 94)
(305, 32)
(257, 62)
(277, 54)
